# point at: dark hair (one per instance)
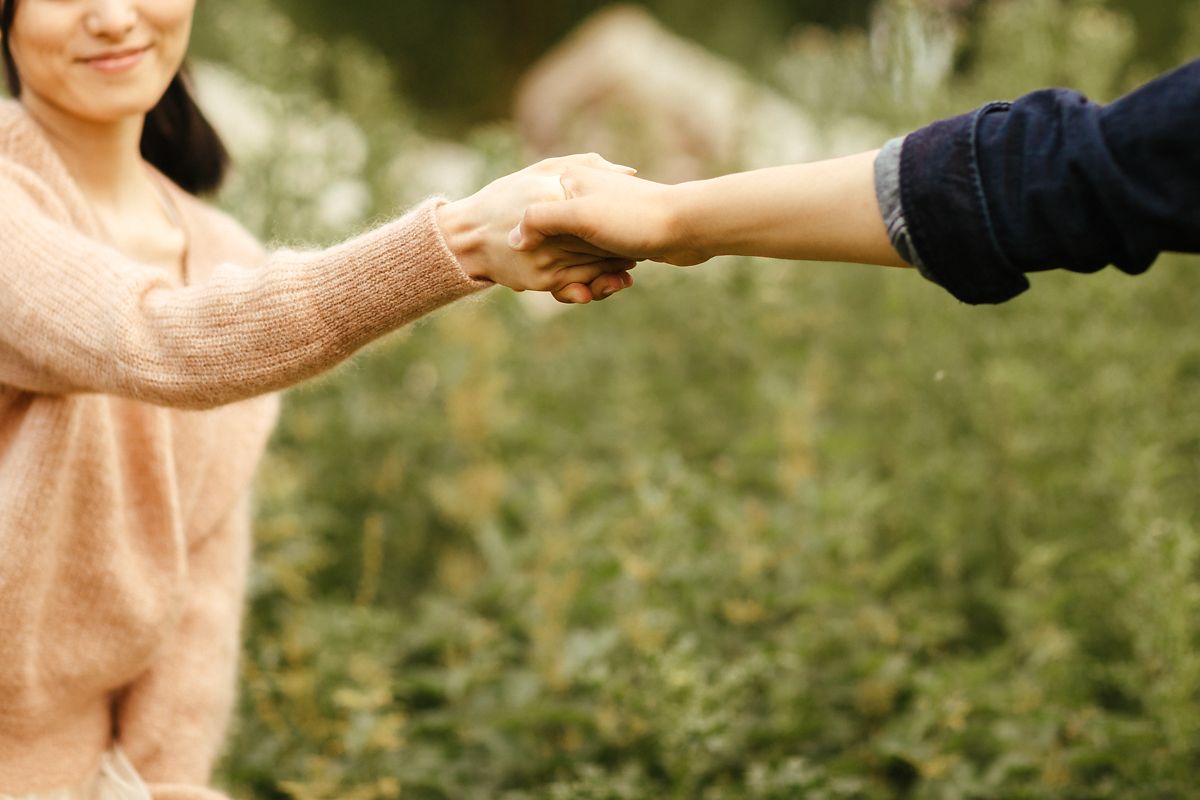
(177, 139)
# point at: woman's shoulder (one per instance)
(31, 177)
(12, 117)
(21, 142)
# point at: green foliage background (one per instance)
(753, 530)
(459, 60)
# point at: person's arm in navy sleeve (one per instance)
(974, 202)
(1049, 181)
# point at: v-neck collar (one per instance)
(29, 142)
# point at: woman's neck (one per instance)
(104, 157)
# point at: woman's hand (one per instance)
(614, 213)
(477, 230)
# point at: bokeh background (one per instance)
(753, 530)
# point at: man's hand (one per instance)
(615, 213)
(477, 231)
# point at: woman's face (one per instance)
(99, 60)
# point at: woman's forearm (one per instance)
(823, 211)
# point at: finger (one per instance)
(543, 220)
(573, 244)
(607, 285)
(601, 288)
(525, 237)
(576, 293)
(586, 273)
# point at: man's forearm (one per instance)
(823, 211)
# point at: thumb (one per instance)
(543, 220)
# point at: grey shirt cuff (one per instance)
(887, 192)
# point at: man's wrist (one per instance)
(685, 229)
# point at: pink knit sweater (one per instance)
(133, 410)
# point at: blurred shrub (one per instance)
(322, 140)
(758, 531)
(460, 60)
(906, 68)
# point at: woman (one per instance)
(974, 202)
(141, 330)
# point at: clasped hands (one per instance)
(573, 226)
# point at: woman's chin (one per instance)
(115, 108)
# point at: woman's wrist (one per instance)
(464, 237)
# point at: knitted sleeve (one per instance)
(80, 317)
(171, 721)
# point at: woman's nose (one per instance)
(111, 18)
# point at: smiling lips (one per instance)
(117, 60)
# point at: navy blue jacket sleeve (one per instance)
(1054, 181)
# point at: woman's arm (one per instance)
(80, 317)
(171, 720)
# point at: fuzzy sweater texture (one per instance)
(133, 410)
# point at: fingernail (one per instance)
(515, 237)
(607, 291)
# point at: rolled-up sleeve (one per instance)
(1051, 181)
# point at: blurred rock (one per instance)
(626, 87)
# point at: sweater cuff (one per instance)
(389, 277)
(946, 212)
